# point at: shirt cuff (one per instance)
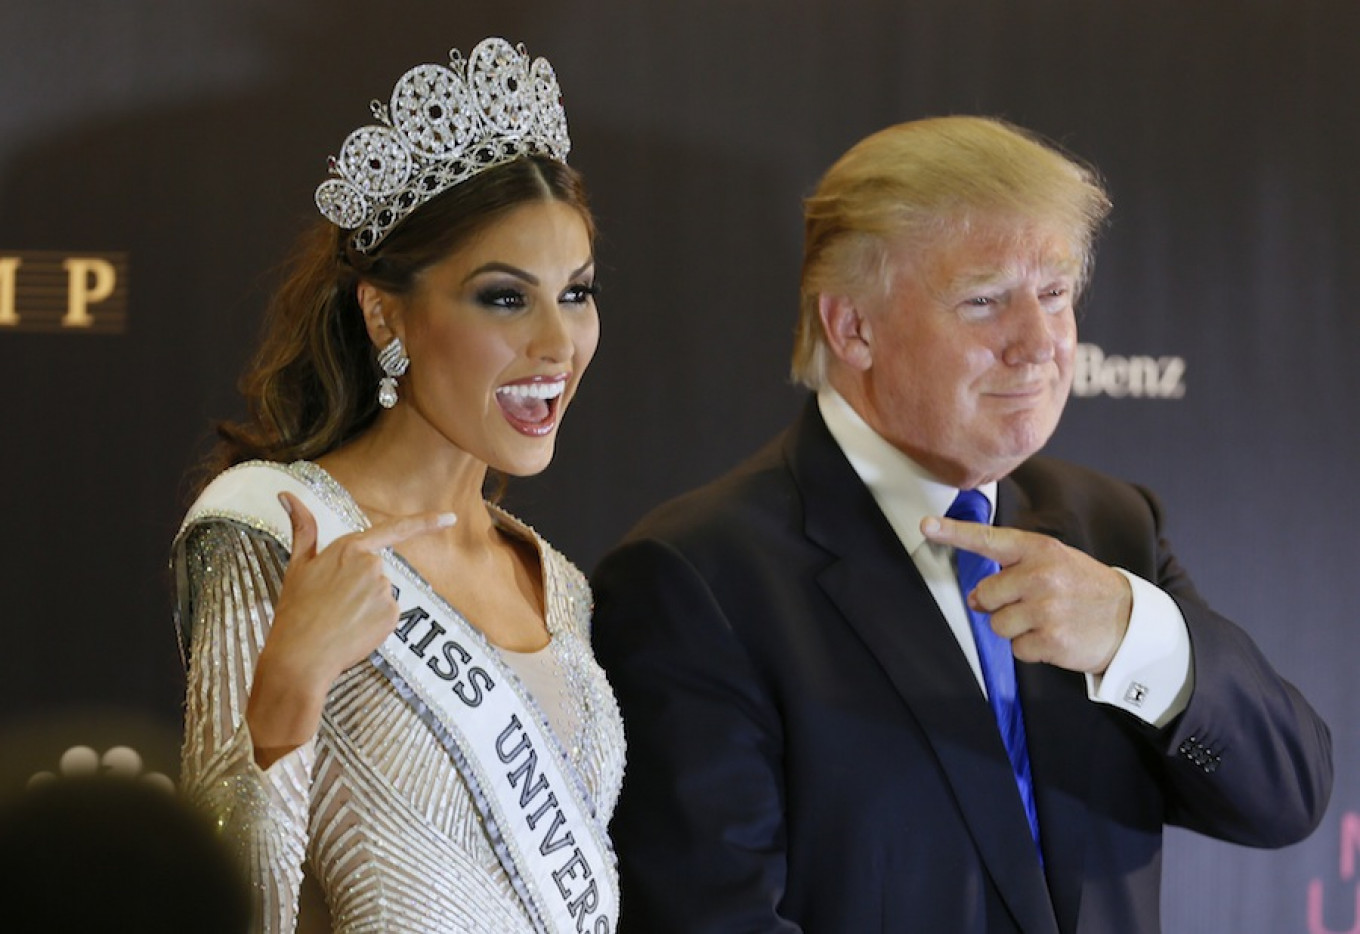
(1151, 675)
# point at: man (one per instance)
(824, 734)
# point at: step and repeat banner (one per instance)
(157, 159)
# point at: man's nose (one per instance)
(1033, 333)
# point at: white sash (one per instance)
(538, 815)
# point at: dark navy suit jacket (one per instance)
(809, 750)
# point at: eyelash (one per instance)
(584, 292)
(987, 301)
(501, 297)
(513, 299)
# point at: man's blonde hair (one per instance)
(916, 183)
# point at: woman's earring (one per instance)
(394, 362)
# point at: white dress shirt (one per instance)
(1150, 675)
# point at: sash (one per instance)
(541, 822)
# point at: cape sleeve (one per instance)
(229, 578)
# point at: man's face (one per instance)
(970, 353)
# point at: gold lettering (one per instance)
(9, 265)
(81, 292)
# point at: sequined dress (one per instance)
(373, 803)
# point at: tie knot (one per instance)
(971, 506)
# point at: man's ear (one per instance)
(381, 313)
(849, 334)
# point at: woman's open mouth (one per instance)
(530, 405)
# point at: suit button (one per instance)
(1200, 754)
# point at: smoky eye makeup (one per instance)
(500, 295)
(581, 292)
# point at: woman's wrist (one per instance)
(284, 709)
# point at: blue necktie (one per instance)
(994, 653)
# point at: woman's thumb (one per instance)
(304, 526)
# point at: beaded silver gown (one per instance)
(373, 803)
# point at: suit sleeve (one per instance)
(1249, 760)
(699, 828)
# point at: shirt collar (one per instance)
(904, 491)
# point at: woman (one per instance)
(389, 678)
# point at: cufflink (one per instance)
(1136, 694)
(1201, 755)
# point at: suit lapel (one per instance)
(876, 587)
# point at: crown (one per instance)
(443, 126)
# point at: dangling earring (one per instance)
(394, 362)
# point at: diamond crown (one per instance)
(443, 126)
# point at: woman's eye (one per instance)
(501, 298)
(580, 294)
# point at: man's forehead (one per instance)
(997, 254)
(1044, 265)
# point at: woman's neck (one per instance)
(392, 473)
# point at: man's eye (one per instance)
(1056, 298)
(979, 305)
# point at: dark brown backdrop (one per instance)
(189, 137)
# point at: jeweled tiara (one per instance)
(443, 126)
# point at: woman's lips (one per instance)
(530, 405)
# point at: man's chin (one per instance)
(1021, 443)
